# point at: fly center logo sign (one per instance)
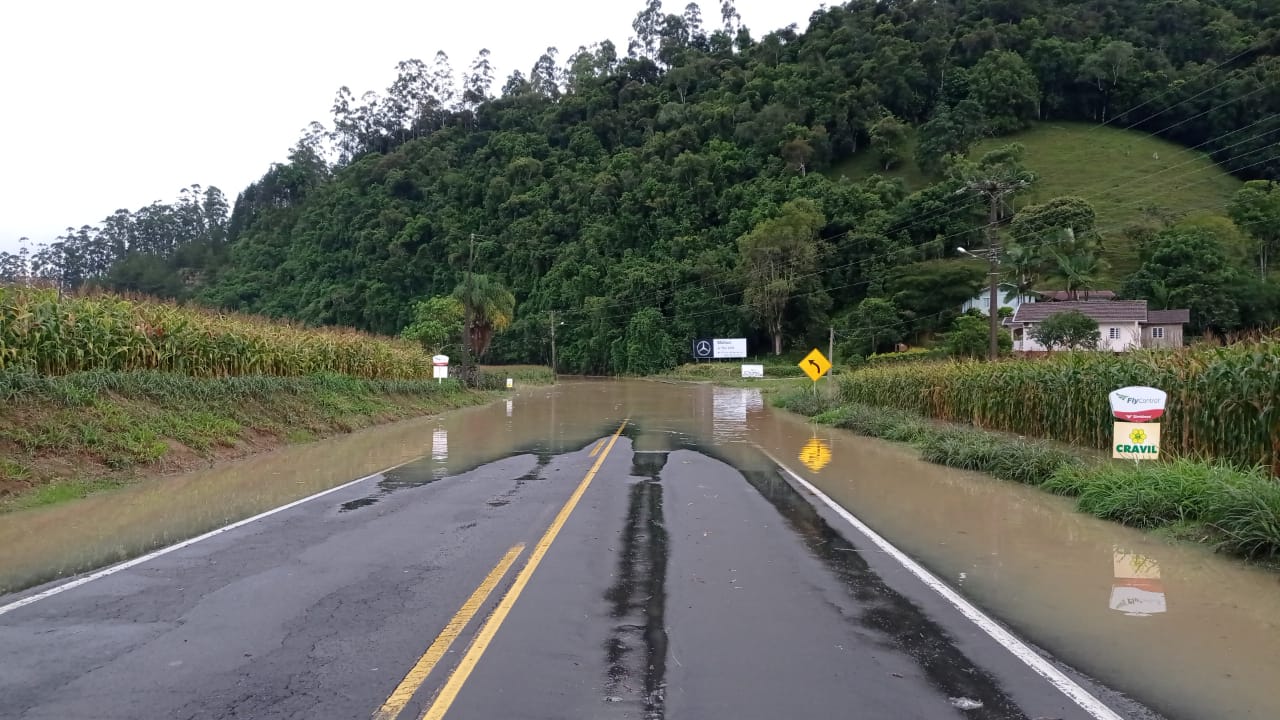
(1138, 404)
(1136, 437)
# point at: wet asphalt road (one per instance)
(679, 586)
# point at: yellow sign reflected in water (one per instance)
(815, 454)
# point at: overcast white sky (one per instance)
(118, 104)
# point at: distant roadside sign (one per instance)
(702, 349)
(729, 348)
(440, 367)
(752, 371)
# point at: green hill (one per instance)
(1126, 175)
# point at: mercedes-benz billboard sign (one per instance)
(719, 348)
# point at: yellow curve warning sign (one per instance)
(815, 364)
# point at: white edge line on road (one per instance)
(1008, 640)
(187, 543)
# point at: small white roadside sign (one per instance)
(752, 371)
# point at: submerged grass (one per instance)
(1235, 509)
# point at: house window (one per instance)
(1113, 333)
(1157, 333)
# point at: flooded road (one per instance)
(684, 537)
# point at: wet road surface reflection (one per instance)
(1190, 633)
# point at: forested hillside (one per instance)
(679, 187)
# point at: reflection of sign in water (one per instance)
(508, 407)
(440, 444)
(1137, 588)
(1136, 441)
(729, 407)
(815, 454)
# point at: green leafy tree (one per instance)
(1256, 208)
(437, 324)
(492, 307)
(951, 131)
(970, 337)
(649, 349)
(875, 326)
(1071, 330)
(1187, 269)
(889, 141)
(772, 260)
(926, 292)
(1006, 89)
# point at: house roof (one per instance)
(1063, 295)
(1168, 317)
(1115, 311)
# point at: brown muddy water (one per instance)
(1189, 633)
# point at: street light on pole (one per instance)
(993, 332)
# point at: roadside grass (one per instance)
(519, 374)
(1235, 509)
(1124, 174)
(721, 372)
(65, 437)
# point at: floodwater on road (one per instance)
(1186, 632)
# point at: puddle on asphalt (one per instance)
(1187, 632)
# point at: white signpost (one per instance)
(752, 371)
(729, 348)
(1135, 437)
(440, 367)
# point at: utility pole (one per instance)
(831, 353)
(994, 189)
(553, 347)
(993, 245)
(468, 370)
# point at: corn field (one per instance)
(44, 333)
(1224, 402)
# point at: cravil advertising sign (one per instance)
(1136, 441)
(1137, 404)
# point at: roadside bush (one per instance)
(806, 402)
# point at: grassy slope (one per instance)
(64, 437)
(1120, 172)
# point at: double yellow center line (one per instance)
(404, 692)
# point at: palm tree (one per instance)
(489, 306)
(1079, 272)
(1023, 265)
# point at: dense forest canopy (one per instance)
(676, 188)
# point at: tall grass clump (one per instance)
(1239, 509)
(1222, 400)
(806, 402)
(46, 333)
